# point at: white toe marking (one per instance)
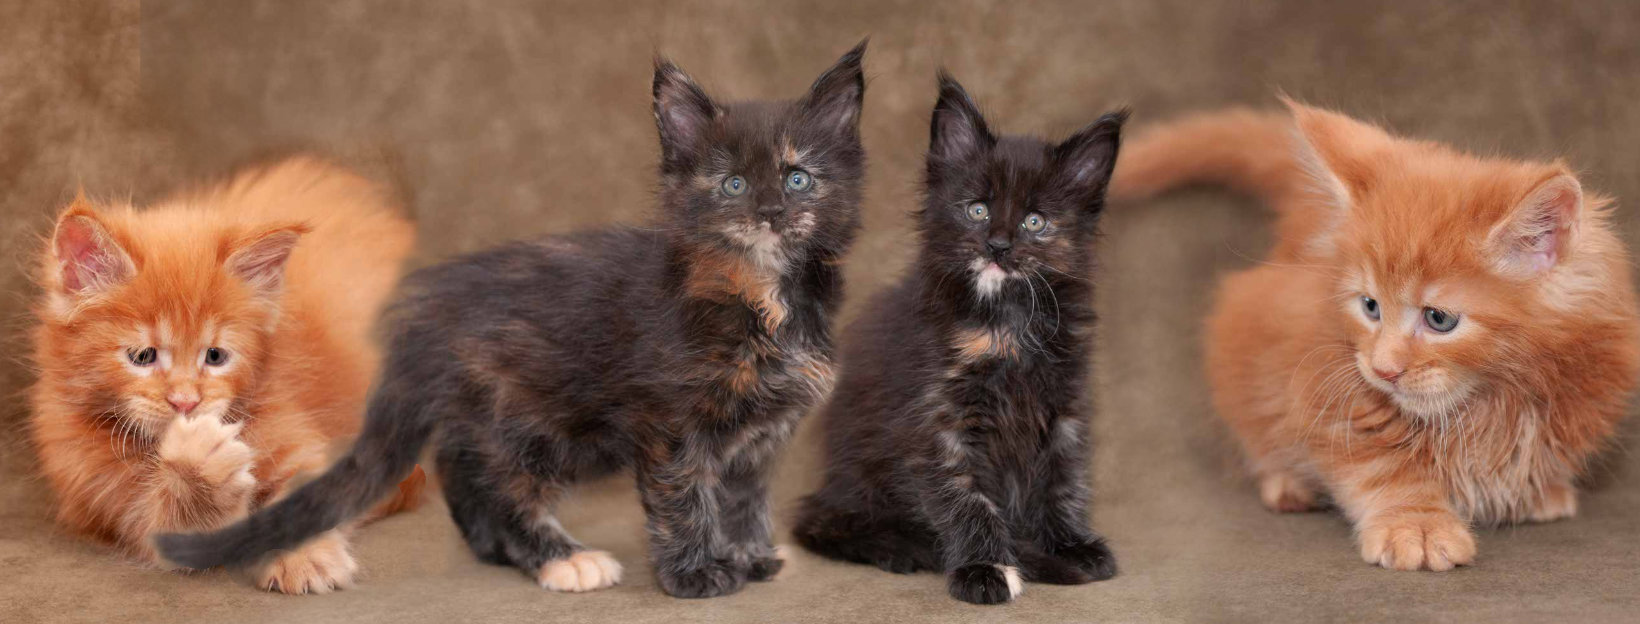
(583, 571)
(1011, 574)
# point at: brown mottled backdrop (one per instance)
(516, 118)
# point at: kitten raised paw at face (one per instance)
(193, 357)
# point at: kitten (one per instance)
(957, 439)
(685, 351)
(197, 355)
(1437, 340)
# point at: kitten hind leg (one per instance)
(514, 525)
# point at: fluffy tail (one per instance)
(400, 419)
(1249, 151)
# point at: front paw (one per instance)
(1092, 557)
(206, 446)
(985, 583)
(764, 568)
(1432, 541)
(716, 579)
(318, 567)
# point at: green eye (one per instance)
(978, 212)
(142, 357)
(799, 180)
(1440, 320)
(733, 186)
(1034, 223)
(1369, 306)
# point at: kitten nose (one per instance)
(183, 402)
(770, 211)
(1387, 375)
(999, 245)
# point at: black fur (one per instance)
(957, 436)
(685, 352)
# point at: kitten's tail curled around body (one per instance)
(1249, 151)
(402, 416)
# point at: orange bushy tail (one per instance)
(1249, 151)
(408, 497)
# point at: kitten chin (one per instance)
(1483, 298)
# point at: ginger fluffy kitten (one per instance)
(1437, 340)
(196, 355)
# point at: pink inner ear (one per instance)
(1544, 221)
(82, 258)
(262, 263)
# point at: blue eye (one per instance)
(799, 180)
(734, 186)
(1370, 307)
(978, 212)
(1440, 320)
(1034, 223)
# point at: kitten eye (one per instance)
(1440, 320)
(1370, 307)
(216, 357)
(733, 186)
(978, 212)
(1034, 223)
(799, 180)
(144, 357)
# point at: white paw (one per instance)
(209, 446)
(583, 571)
(318, 567)
(1011, 575)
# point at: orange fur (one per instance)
(284, 266)
(1491, 423)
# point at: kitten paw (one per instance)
(1092, 557)
(764, 569)
(212, 448)
(1559, 502)
(583, 571)
(985, 583)
(717, 579)
(1431, 541)
(318, 567)
(1285, 493)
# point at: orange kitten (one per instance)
(1437, 340)
(196, 355)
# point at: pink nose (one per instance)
(183, 403)
(1389, 376)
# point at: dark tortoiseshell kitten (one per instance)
(685, 352)
(956, 440)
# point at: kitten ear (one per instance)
(89, 259)
(1086, 159)
(1337, 151)
(683, 113)
(1539, 230)
(957, 132)
(835, 100)
(259, 257)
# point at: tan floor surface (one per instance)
(516, 118)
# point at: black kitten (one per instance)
(685, 351)
(957, 436)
